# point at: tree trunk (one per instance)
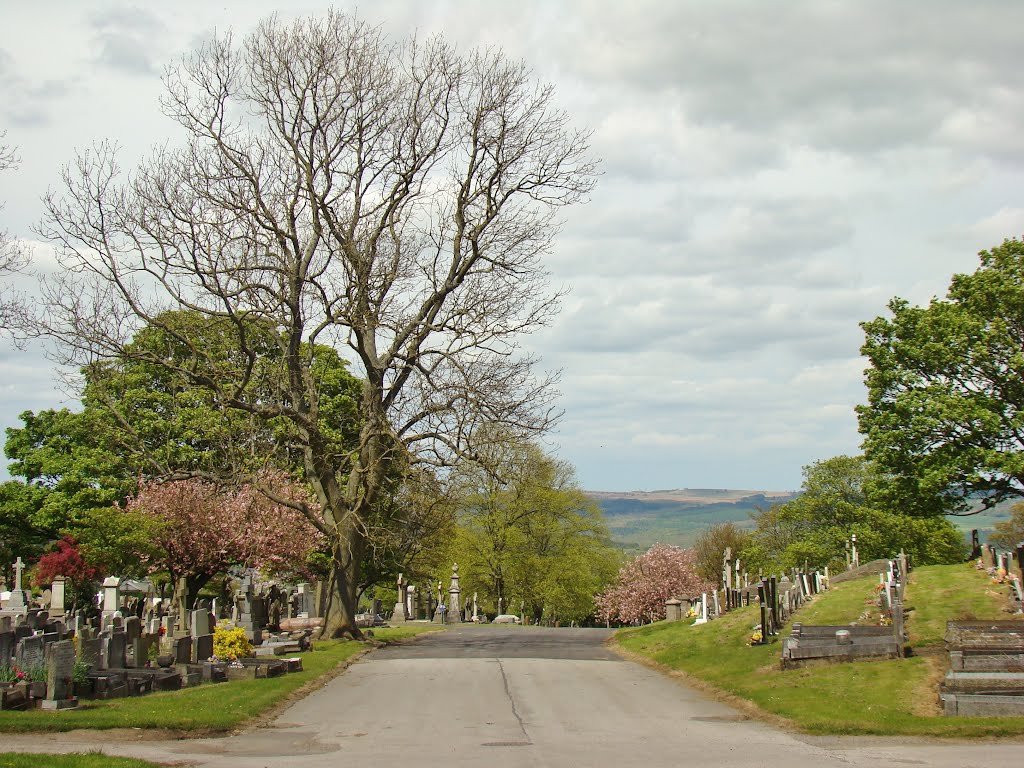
(343, 586)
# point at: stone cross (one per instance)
(18, 568)
(18, 600)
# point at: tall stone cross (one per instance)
(18, 568)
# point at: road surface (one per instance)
(510, 697)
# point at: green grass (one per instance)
(940, 593)
(886, 697)
(207, 708)
(71, 760)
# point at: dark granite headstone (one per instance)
(182, 650)
(114, 649)
(202, 648)
(31, 652)
(132, 628)
(89, 651)
(7, 642)
(60, 665)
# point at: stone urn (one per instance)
(165, 660)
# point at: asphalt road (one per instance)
(506, 697)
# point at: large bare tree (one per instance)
(13, 255)
(394, 198)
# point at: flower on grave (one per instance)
(979, 565)
(756, 638)
(692, 613)
(230, 644)
(162, 631)
(8, 673)
(884, 621)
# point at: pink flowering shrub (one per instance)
(203, 529)
(646, 582)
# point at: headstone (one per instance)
(132, 629)
(60, 665)
(140, 650)
(31, 652)
(57, 596)
(114, 649)
(89, 652)
(111, 599)
(18, 600)
(200, 622)
(202, 648)
(672, 609)
(703, 618)
(305, 598)
(7, 643)
(399, 612)
(182, 650)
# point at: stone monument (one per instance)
(454, 615)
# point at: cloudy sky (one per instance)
(773, 173)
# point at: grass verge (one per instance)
(71, 760)
(891, 697)
(207, 709)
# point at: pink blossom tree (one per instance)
(202, 529)
(647, 581)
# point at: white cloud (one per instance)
(773, 174)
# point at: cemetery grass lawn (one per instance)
(940, 593)
(72, 760)
(888, 697)
(205, 709)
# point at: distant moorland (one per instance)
(638, 519)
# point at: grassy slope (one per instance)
(877, 697)
(206, 708)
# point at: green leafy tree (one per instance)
(67, 459)
(1009, 533)
(709, 549)
(529, 535)
(836, 503)
(944, 416)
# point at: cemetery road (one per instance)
(511, 697)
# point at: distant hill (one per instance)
(638, 519)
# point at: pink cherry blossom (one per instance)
(647, 581)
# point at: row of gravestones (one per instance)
(120, 647)
(848, 642)
(33, 641)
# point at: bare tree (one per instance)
(13, 255)
(392, 198)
